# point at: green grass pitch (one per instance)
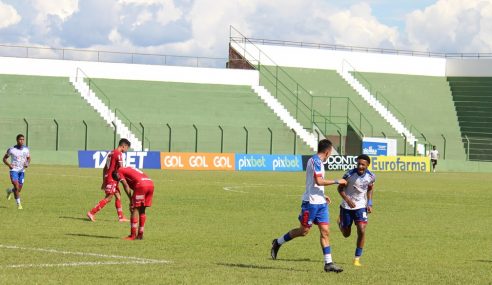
(216, 228)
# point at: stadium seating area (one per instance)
(40, 101)
(205, 106)
(473, 101)
(334, 98)
(426, 104)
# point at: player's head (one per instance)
(363, 162)
(20, 139)
(434, 147)
(124, 145)
(324, 148)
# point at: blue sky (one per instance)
(201, 27)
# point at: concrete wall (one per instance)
(67, 68)
(333, 59)
(469, 67)
(365, 61)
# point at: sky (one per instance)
(201, 27)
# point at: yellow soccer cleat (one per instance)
(19, 207)
(9, 193)
(357, 262)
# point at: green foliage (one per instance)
(216, 228)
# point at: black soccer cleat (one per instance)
(331, 267)
(275, 248)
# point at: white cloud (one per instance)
(8, 16)
(452, 26)
(358, 27)
(60, 8)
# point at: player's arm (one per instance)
(116, 176)
(5, 160)
(28, 162)
(323, 182)
(341, 191)
(127, 189)
(369, 197)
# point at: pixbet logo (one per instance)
(252, 162)
(285, 162)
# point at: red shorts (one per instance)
(111, 188)
(142, 194)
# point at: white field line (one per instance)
(79, 264)
(133, 260)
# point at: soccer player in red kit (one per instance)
(141, 198)
(114, 161)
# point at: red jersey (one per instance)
(133, 176)
(113, 162)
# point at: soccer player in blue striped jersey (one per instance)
(314, 207)
(19, 161)
(357, 202)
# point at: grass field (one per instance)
(216, 228)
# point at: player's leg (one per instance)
(17, 179)
(345, 220)
(133, 223)
(117, 204)
(323, 221)
(302, 230)
(142, 218)
(361, 223)
(101, 204)
(147, 202)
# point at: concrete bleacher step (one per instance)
(380, 108)
(105, 113)
(285, 116)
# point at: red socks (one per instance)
(143, 217)
(99, 206)
(117, 204)
(133, 229)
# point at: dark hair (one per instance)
(364, 157)
(19, 136)
(124, 142)
(324, 145)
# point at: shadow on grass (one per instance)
(483, 261)
(299, 260)
(92, 236)
(253, 266)
(76, 218)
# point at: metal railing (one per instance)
(72, 135)
(110, 56)
(285, 88)
(365, 49)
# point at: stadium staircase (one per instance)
(345, 73)
(103, 110)
(284, 115)
(472, 98)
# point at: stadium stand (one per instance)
(186, 106)
(334, 99)
(31, 104)
(473, 101)
(426, 104)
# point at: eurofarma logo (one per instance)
(400, 163)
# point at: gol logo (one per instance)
(197, 161)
